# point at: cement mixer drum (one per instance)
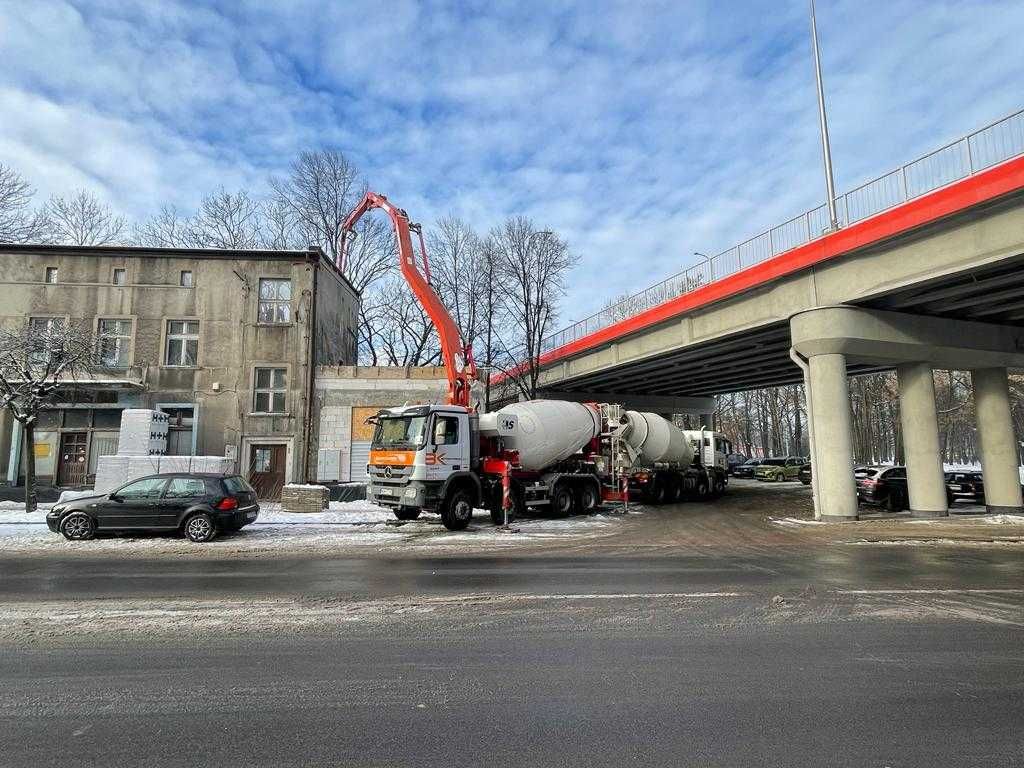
(549, 431)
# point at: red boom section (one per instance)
(458, 357)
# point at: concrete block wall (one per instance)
(340, 389)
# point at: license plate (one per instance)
(385, 492)
(250, 515)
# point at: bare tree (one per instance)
(81, 219)
(319, 192)
(227, 220)
(532, 267)
(168, 229)
(37, 361)
(279, 230)
(18, 222)
(394, 328)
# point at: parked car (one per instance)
(198, 505)
(746, 469)
(779, 469)
(734, 460)
(883, 487)
(804, 475)
(965, 486)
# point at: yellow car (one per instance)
(780, 469)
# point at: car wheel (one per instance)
(892, 502)
(200, 528)
(458, 511)
(78, 526)
(407, 513)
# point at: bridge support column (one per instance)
(998, 445)
(830, 412)
(925, 480)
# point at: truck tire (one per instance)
(718, 487)
(673, 490)
(657, 492)
(589, 498)
(702, 489)
(563, 502)
(457, 510)
(407, 513)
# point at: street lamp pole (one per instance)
(826, 148)
(711, 264)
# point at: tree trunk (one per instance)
(31, 497)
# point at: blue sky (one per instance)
(641, 131)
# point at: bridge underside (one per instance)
(760, 358)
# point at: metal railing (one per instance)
(995, 143)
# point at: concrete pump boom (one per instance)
(457, 356)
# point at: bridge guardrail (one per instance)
(988, 146)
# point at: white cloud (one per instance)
(641, 131)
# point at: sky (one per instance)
(639, 131)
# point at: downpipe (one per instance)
(802, 364)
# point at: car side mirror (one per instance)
(115, 497)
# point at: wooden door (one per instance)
(72, 464)
(266, 470)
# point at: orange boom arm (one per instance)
(458, 357)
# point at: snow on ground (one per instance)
(344, 524)
(958, 519)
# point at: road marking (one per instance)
(929, 591)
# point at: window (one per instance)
(185, 488)
(45, 335)
(268, 394)
(260, 459)
(275, 301)
(182, 343)
(51, 274)
(446, 430)
(149, 488)
(185, 281)
(238, 485)
(120, 276)
(115, 337)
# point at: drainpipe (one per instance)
(310, 376)
(801, 363)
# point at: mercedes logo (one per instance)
(387, 471)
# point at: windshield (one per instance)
(399, 432)
(775, 462)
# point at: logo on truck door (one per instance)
(434, 458)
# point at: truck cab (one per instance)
(424, 457)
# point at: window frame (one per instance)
(446, 417)
(55, 271)
(275, 302)
(166, 494)
(270, 390)
(191, 278)
(123, 272)
(130, 483)
(129, 349)
(168, 337)
(66, 319)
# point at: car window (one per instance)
(774, 462)
(446, 430)
(149, 488)
(236, 484)
(185, 488)
(896, 473)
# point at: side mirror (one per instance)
(115, 497)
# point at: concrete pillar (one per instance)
(925, 480)
(997, 442)
(833, 444)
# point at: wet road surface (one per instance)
(698, 636)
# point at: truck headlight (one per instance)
(410, 493)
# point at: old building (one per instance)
(226, 342)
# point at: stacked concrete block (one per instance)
(143, 432)
(304, 498)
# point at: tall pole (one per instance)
(826, 148)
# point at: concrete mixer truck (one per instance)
(562, 456)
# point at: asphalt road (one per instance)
(763, 649)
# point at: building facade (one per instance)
(225, 342)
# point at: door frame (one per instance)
(195, 419)
(58, 468)
(248, 442)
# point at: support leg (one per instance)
(997, 442)
(925, 480)
(834, 484)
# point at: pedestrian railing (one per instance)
(995, 143)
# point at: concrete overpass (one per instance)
(925, 271)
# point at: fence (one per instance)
(995, 143)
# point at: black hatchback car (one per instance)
(746, 469)
(198, 505)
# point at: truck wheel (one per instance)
(589, 498)
(562, 502)
(673, 491)
(657, 492)
(717, 487)
(457, 511)
(407, 513)
(702, 489)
